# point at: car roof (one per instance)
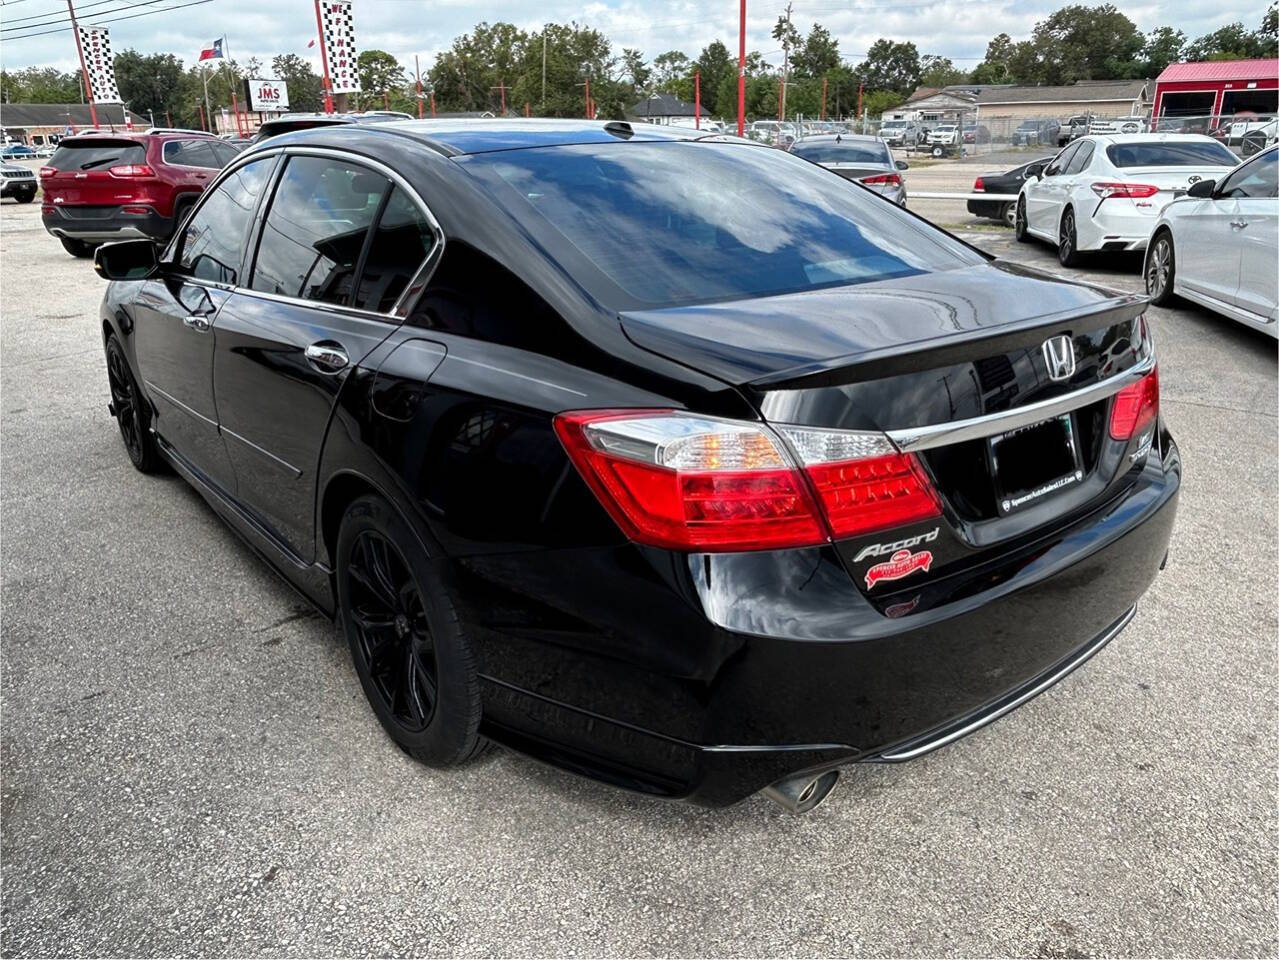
(1150, 138)
(467, 136)
(840, 138)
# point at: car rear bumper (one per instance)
(709, 677)
(67, 221)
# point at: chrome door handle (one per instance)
(196, 323)
(327, 355)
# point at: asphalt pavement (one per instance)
(189, 766)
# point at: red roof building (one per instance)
(1218, 88)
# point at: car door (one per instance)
(1073, 176)
(195, 160)
(175, 320)
(1209, 241)
(328, 270)
(1043, 200)
(1255, 225)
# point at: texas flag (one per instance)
(213, 51)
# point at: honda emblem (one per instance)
(1059, 357)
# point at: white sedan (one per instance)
(1219, 246)
(1105, 192)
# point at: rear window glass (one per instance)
(92, 155)
(681, 222)
(828, 152)
(1170, 154)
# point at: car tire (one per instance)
(1008, 214)
(26, 197)
(1068, 240)
(939, 151)
(408, 645)
(1160, 269)
(1020, 225)
(131, 412)
(180, 211)
(79, 249)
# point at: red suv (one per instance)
(101, 187)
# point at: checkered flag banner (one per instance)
(339, 45)
(99, 62)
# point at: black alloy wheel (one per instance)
(130, 410)
(1160, 269)
(1020, 227)
(410, 652)
(1067, 251)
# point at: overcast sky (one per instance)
(958, 29)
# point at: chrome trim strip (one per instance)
(262, 450)
(512, 373)
(179, 404)
(909, 753)
(938, 435)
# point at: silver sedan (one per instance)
(864, 159)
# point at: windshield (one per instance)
(828, 151)
(97, 154)
(661, 224)
(1170, 153)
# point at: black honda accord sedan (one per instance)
(672, 460)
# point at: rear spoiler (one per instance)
(951, 348)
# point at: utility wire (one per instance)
(145, 13)
(81, 17)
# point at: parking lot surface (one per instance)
(190, 767)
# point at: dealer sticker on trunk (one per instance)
(901, 564)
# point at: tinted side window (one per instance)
(1256, 180)
(210, 247)
(1081, 157)
(315, 229)
(224, 152)
(401, 242)
(191, 153)
(1062, 161)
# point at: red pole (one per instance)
(84, 70)
(741, 74)
(235, 108)
(417, 71)
(781, 86)
(386, 100)
(502, 87)
(526, 109)
(859, 101)
(432, 103)
(697, 99)
(823, 98)
(203, 125)
(588, 93)
(169, 117)
(324, 60)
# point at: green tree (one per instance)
(150, 83)
(818, 54)
(464, 75)
(875, 102)
(1163, 46)
(719, 79)
(1234, 41)
(890, 66)
(1082, 43)
(306, 88)
(380, 74)
(39, 85)
(935, 71)
(635, 70)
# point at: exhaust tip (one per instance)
(802, 793)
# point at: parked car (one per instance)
(651, 483)
(900, 133)
(18, 182)
(1105, 192)
(867, 160)
(1074, 128)
(113, 186)
(1005, 182)
(1236, 130)
(945, 139)
(976, 133)
(18, 151)
(1219, 245)
(1034, 133)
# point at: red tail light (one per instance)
(1136, 191)
(883, 180)
(47, 172)
(1135, 407)
(131, 170)
(686, 482)
(979, 186)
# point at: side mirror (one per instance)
(1203, 189)
(1035, 170)
(126, 260)
(902, 165)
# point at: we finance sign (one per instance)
(267, 96)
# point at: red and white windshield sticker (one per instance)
(901, 564)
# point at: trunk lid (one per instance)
(941, 363)
(81, 171)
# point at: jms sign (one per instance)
(267, 96)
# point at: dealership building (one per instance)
(1217, 88)
(38, 124)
